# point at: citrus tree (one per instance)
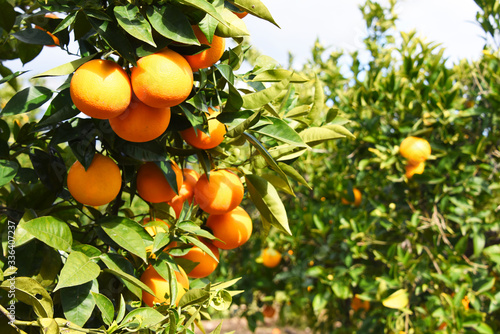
(399, 233)
(120, 189)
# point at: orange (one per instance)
(208, 57)
(415, 149)
(223, 193)
(98, 185)
(357, 304)
(270, 257)
(163, 79)
(152, 184)
(241, 14)
(161, 286)
(465, 303)
(140, 123)
(54, 38)
(357, 198)
(233, 228)
(186, 193)
(412, 169)
(101, 89)
(206, 264)
(268, 311)
(202, 140)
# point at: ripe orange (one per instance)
(241, 14)
(186, 192)
(207, 57)
(206, 264)
(202, 140)
(101, 89)
(357, 198)
(412, 169)
(161, 286)
(234, 228)
(140, 123)
(98, 185)
(415, 149)
(270, 257)
(223, 193)
(268, 311)
(357, 303)
(163, 79)
(152, 184)
(54, 38)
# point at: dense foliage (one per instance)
(78, 267)
(423, 250)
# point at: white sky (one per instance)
(338, 24)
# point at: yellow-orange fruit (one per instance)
(241, 14)
(163, 79)
(268, 311)
(270, 257)
(357, 303)
(140, 123)
(54, 38)
(98, 185)
(223, 193)
(233, 228)
(206, 264)
(186, 193)
(415, 149)
(207, 57)
(202, 140)
(412, 169)
(101, 89)
(152, 184)
(357, 198)
(161, 287)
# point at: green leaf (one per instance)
(257, 8)
(77, 270)
(313, 136)
(78, 302)
(30, 292)
(131, 20)
(259, 99)
(26, 100)
(194, 296)
(275, 75)
(110, 32)
(48, 326)
(340, 130)
(233, 26)
(8, 170)
(105, 306)
(119, 263)
(50, 230)
(125, 236)
(205, 6)
(33, 36)
(171, 22)
(318, 104)
(129, 278)
(266, 199)
(280, 130)
(65, 69)
(268, 158)
(146, 316)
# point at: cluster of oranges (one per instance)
(138, 109)
(416, 151)
(219, 196)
